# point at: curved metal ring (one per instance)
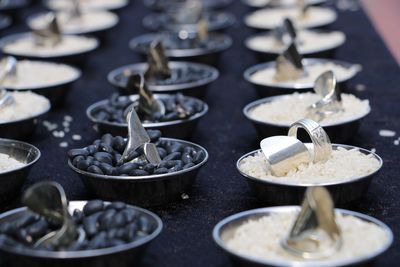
(321, 142)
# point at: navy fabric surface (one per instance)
(219, 190)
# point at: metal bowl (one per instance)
(150, 190)
(224, 230)
(56, 93)
(323, 52)
(340, 132)
(71, 58)
(328, 21)
(265, 90)
(123, 255)
(280, 3)
(161, 5)
(90, 6)
(21, 128)
(343, 192)
(100, 33)
(217, 21)
(181, 129)
(194, 88)
(11, 181)
(208, 56)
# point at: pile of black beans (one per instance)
(103, 155)
(177, 107)
(104, 225)
(179, 75)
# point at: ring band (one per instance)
(322, 145)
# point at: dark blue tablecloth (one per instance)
(220, 190)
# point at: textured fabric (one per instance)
(219, 190)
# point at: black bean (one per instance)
(154, 135)
(138, 172)
(8, 241)
(121, 234)
(115, 242)
(77, 159)
(171, 116)
(90, 224)
(25, 220)
(173, 156)
(130, 232)
(189, 165)
(77, 152)
(94, 169)
(77, 215)
(105, 148)
(186, 158)
(98, 241)
(144, 224)
(130, 214)
(149, 167)
(117, 157)
(106, 219)
(107, 169)
(117, 205)
(22, 235)
(175, 169)
(118, 221)
(102, 115)
(83, 164)
(119, 144)
(133, 155)
(160, 171)
(107, 139)
(104, 157)
(127, 167)
(162, 152)
(6, 228)
(92, 207)
(37, 229)
(92, 149)
(175, 147)
(190, 150)
(200, 155)
(112, 233)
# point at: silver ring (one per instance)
(322, 145)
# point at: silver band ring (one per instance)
(322, 145)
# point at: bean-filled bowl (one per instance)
(279, 3)
(268, 82)
(71, 49)
(253, 238)
(109, 234)
(187, 78)
(88, 5)
(347, 175)
(138, 181)
(179, 121)
(270, 115)
(16, 160)
(206, 51)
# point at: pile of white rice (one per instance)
(276, 113)
(269, 77)
(68, 46)
(307, 42)
(261, 238)
(26, 105)
(88, 22)
(8, 163)
(87, 4)
(270, 18)
(36, 74)
(342, 166)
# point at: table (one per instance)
(220, 191)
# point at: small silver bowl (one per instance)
(162, 5)
(196, 88)
(272, 3)
(181, 129)
(70, 58)
(320, 24)
(225, 229)
(56, 93)
(206, 55)
(123, 255)
(217, 21)
(340, 132)
(323, 52)
(265, 90)
(343, 192)
(99, 32)
(21, 128)
(145, 191)
(11, 181)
